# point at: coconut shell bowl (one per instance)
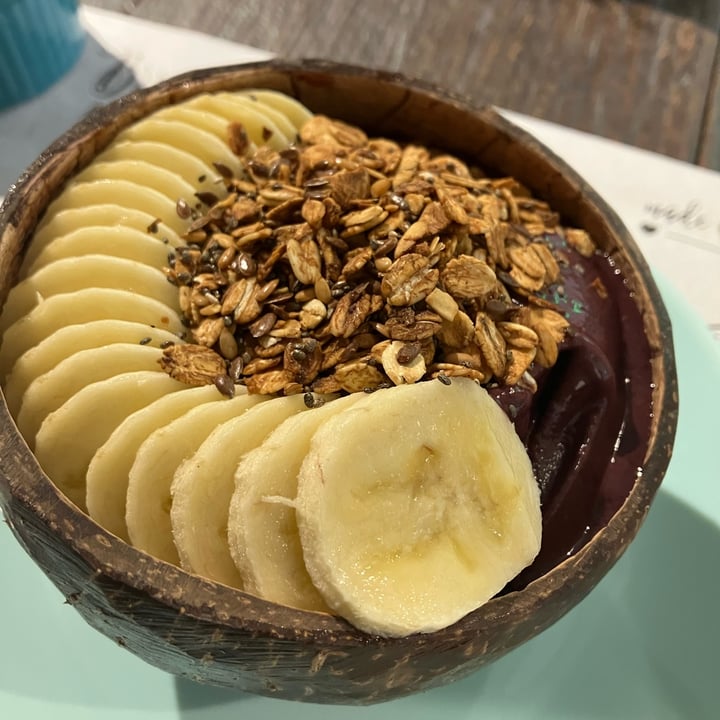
(611, 424)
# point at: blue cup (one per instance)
(40, 40)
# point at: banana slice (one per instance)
(203, 486)
(190, 168)
(107, 474)
(51, 390)
(260, 126)
(239, 106)
(416, 506)
(78, 307)
(121, 192)
(157, 459)
(70, 436)
(107, 215)
(196, 141)
(77, 273)
(262, 530)
(190, 114)
(71, 339)
(278, 118)
(292, 109)
(119, 241)
(165, 181)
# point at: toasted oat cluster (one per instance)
(346, 263)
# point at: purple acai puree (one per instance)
(586, 427)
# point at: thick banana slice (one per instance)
(196, 141)
(78, 307)
(292, 109)
(121, 242)
(416, 506)
(121, 192)
(203, 486)
(68, 340)
(157, 459)
(262, 530)
(165, 181)
(193, 170)
(51, 390)
(260, 126)
(76, 273)
(69, 437)
(107, 474)
(107, 215)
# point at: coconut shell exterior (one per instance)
(217, 635)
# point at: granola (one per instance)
(346, 263)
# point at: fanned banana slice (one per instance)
(77, 273)
(190, 114)
(165, 181)
(108, 214)
(70, 339)
(118, 241)
(278, 119)
(107, 474)
(262, 529)
(49, 391)
(416, 506)
(69, 437)
(122, 192)
(192, 169)
(157, 459)
(200, 143)
(260, 126)
(293, 110)
(203, 486)
(78, 307)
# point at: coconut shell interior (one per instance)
(218, 635)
